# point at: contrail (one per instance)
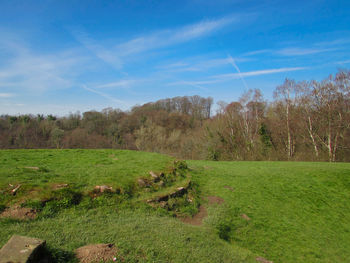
(106, 96)
(232, 62)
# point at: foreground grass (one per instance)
(300, 212)
(140, 235)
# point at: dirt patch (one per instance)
(96, 253)
(197, 219)
(215, 200)
(263, 260)
(244, 216)
(208, 168)
(32, 168)
(229, 188)
(22, 213)
(59, 186)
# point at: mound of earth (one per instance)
(96, 253)
(19, 213)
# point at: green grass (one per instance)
(81, 169)
(300, 212)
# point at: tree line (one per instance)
(306, 120)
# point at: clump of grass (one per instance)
(58, 200)
(2, 207)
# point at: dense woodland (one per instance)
(307, 120)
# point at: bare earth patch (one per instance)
(19, 213)
(32, 168)
(229, 188)
(59, 186)
(96, 253)
(215, 200)
(263, 260)
(197, 219)
(244, 216)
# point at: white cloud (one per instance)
(126, 83)
(257, 52)
(225, 77)
(195, 64)
(343, 62)
(257, 73)
(115, 55)
(170, 37)
(109, 56)
(106, 96)
(295, 51)
(29, 70)
(6, 95)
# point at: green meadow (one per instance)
(279, 211)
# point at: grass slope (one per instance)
(300, 212)
(141, 233)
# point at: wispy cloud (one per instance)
(342, 62)
(26, 69)
(106, 96)
(159, 39)
(126, 83)
(257, 73)
(295, 51)
(195, 64)
(232, 61)
(240, 75)
(6, 95)
(109, 56)
(116, 54)
(257, 52)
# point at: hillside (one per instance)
(278, 211)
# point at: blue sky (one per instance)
(67, 56)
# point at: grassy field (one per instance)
(281, 211)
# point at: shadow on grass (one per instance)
(56, 255)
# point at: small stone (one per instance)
(103, 188)
(154, 176)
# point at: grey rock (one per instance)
(20, 249)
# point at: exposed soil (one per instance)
(19, 213)
(244, 216)
(229, 188)
(263, 260)
(32, 167)
(215, 200)
(197, 219)
(59, 186)
(96, 253)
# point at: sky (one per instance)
(60, 57)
